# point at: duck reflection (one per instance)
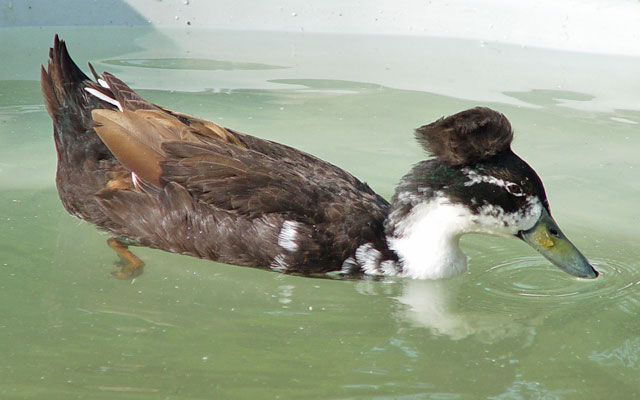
(439, 307)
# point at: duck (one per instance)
(149, 176)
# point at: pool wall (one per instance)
(592, 26)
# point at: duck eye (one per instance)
(514, 189)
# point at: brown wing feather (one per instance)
(135, 138)
(173, 120)
(254, 183)
(129, 99)
(136, 134)
(227, 169)
(126, 136)
(205, 128)
(338, 211)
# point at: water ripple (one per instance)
(529, 277)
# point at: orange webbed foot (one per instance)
(130, 265)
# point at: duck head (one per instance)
(474, 183)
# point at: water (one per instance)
(513, 327)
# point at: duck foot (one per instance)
(130, 265)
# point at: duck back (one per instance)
(167, 180)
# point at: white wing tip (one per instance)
(104, 97)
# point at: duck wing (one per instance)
(306, 214)
(220, 166)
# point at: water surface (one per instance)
(513, 327)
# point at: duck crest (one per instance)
(467, 137)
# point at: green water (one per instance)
(513, 327)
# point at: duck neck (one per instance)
(426, 239)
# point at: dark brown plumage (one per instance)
(158, 178)
(466, 137)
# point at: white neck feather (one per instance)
(427, 240)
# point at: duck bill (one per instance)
(548, 239)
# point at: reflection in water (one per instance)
(433, 305)
(285, 293)
(200, 64)
(521, 389)
(627, 355)
(513, 299)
